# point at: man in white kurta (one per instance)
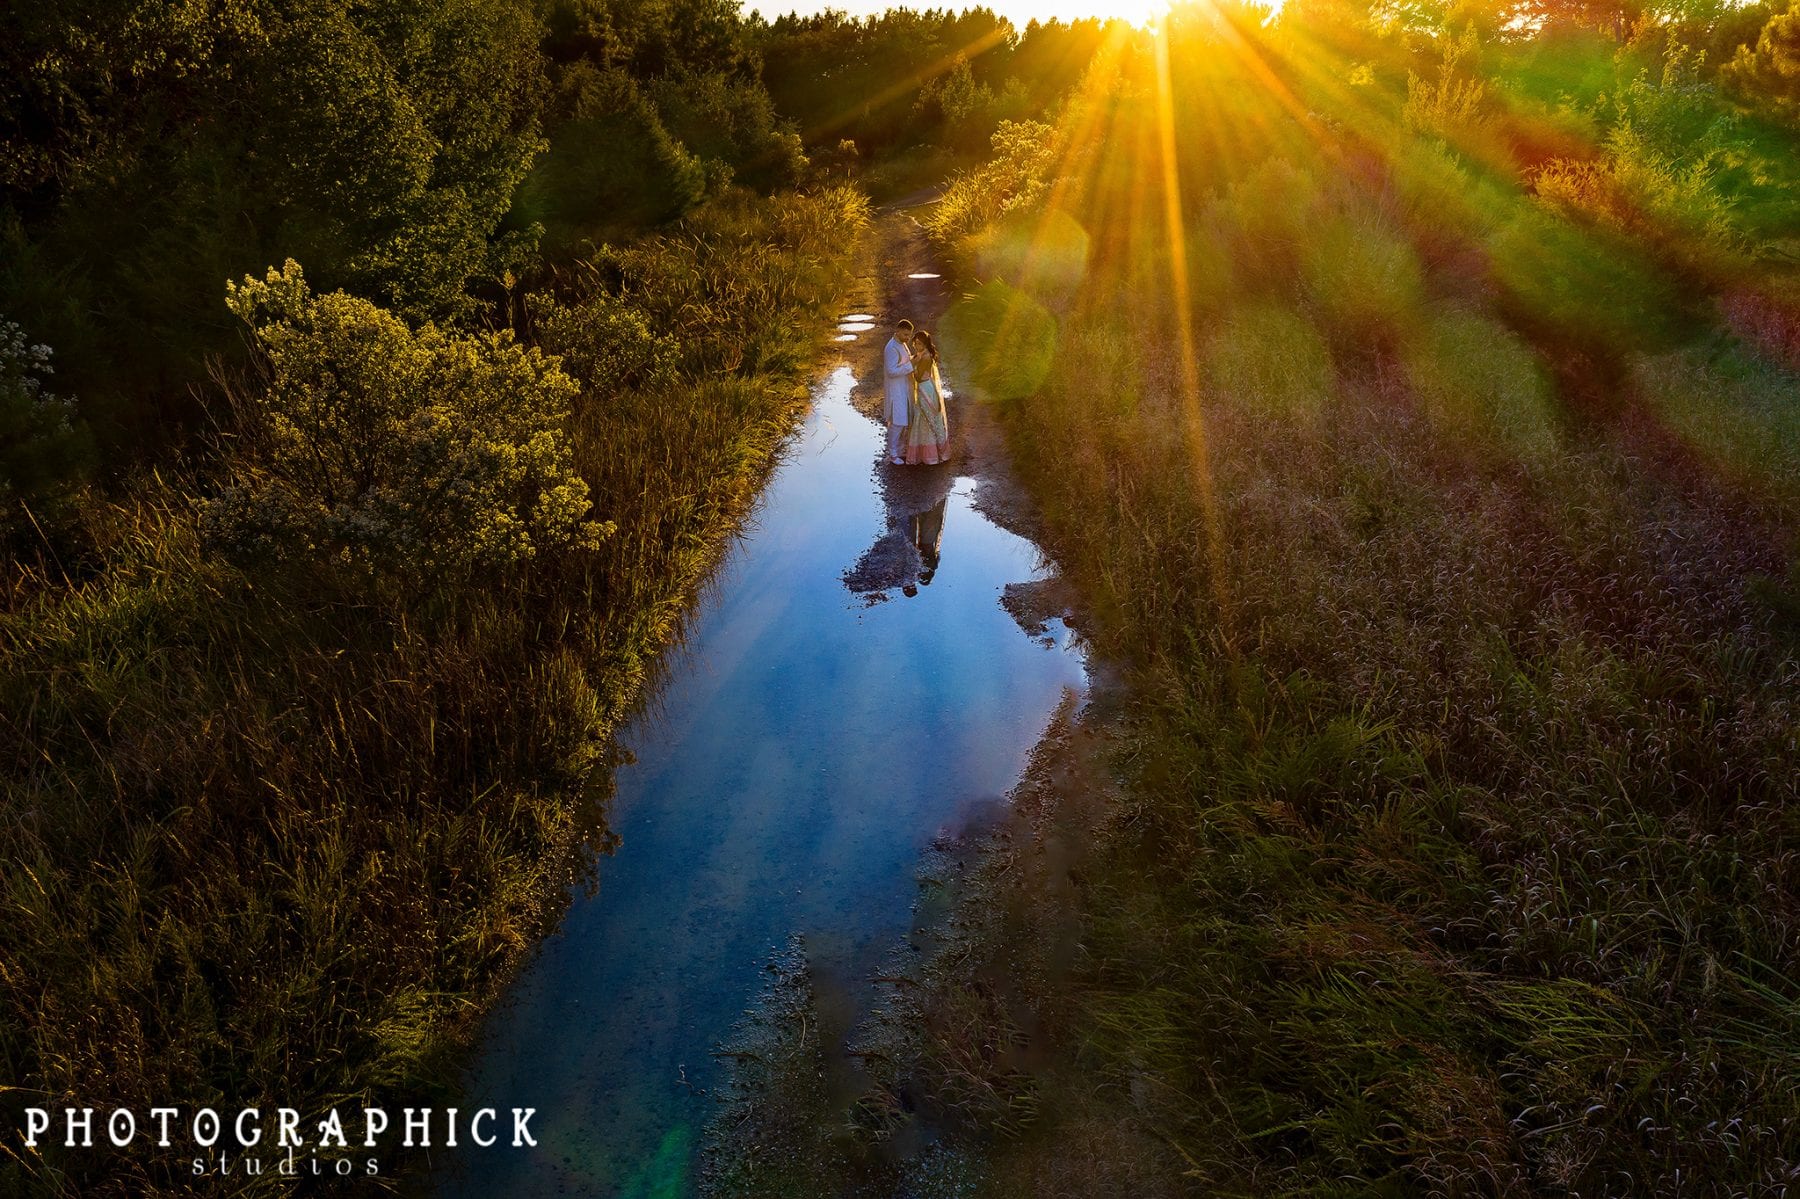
(897, 371)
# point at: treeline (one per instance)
(1411, 390)
(916, 93)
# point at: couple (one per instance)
(918, 428)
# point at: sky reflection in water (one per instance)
(804, 751)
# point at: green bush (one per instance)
(604, 342)
(612, 166)
(270, 837)
(1767, 75)
(44, 446)
(1586, 284)
(415, 456)
(1018, 174)
(1269, 218)
(1363, 276)
(1009, 336)
(731, 121)
(729, 284)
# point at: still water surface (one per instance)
(805, 748)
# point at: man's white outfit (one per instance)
(897, 369)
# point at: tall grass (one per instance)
(274, 844)
(1459, 855)
(1462, 849)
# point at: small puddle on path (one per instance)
(806, 747)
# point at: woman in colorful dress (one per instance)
(927, 435)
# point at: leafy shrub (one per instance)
(1025, 154)
(1658, 180)
(612, 165)
(604, 342)
(729, 284)
(43, 445)
(733, 122)
(1267, 218)
(968, 111)
(1768, 74)
(420, 456)
(1455, 103)
(1585, 283)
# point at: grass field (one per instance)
(1446, 526)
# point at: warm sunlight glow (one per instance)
(1019, 12)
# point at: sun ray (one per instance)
(1187, 353)
(910, 84)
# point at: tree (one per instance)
(1767, 77)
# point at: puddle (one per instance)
(924, 275)
(804, 751)
(845, 337)
(858, 316)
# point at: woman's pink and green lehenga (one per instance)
(927, 438)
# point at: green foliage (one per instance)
(1363, 276)
(877, 81)
(1271, 360)
(44, 447)
(605, 342)
(1478, 380)
(968, 112)
(90, 88)
(423, 457)
(275, 834)
(1009, 336)
(1014, 179)
(1660, 179)
(1266, 218)
(162, 148)
(727, 121)
(649, 38)
(729, 300)
(1587, 282)
(1455, 103)
(1457, 600)
(612, 166)
(1767, 76)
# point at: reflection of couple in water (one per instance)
(918, 428)
(928, 539)
(905, 556)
